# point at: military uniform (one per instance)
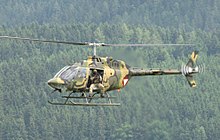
(96, 81)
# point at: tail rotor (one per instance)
(191, 68)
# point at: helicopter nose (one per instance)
(55, 82)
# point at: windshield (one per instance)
(69, 73)
(62, 70)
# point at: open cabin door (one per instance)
(100, 72)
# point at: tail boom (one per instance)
(145, 72)
(187, 70)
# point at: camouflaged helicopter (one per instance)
(115, 74)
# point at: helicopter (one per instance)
(75, 79)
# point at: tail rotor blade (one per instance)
(190, 68)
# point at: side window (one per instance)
(69, 73)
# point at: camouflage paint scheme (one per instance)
(115, 74)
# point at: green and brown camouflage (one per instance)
(115, 73)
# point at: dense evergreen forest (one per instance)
(190, 14)
(153, 108)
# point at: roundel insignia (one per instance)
(125, 80)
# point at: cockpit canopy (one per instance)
(69, 73)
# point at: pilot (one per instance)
(96, 82)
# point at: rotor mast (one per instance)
(94, 50)
(95, 45)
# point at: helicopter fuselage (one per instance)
(76, 78)
(115, 74)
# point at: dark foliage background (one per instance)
(152, 107)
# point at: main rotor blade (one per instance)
(93, 44)
(46, 41)
(145, 45)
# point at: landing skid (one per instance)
(82, 97)
(85, 104)
(71, 100)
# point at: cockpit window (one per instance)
(61, 71)
(82, 73)
(69, 73)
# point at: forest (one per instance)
(152, 107)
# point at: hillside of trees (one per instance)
(188, 14)
(157, 108)
(153, 107)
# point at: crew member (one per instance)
(96, 80)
